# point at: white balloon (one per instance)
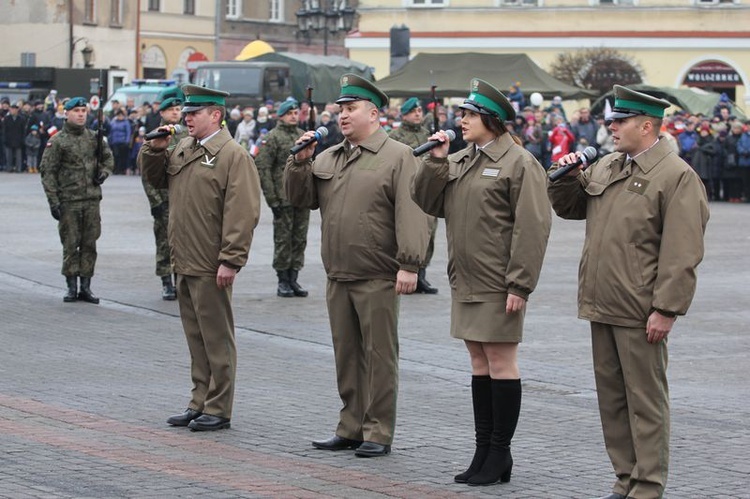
(536, 99)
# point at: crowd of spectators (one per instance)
(716, 146)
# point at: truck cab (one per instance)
(248, 83)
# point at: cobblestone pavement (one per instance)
(86, 389)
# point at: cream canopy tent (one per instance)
(254, 49)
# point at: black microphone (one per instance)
(588, 155)
(432, 144)
(319, 134)
(173, 129)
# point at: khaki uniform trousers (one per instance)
(364, 327)
(206, 313)
(631, 385)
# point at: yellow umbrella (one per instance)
(254, 49)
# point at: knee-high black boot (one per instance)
(506, 406)
(481, 398)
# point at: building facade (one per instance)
(275, 22)
(174, 36)
(69, 33)
(701, 43)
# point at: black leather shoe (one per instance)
(372, 449)
(613, 495)
(336, 443)
(184, 418)
(207, 422)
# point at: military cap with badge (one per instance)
(76, 102)
(170, 97)
(355, 88)
(486, 99)
(409, 105)
(629, 103)
(287, 106)
(197, 98)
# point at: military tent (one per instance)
(691, 100)
(322, 72)
(452, 73)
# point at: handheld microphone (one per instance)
(588, 155)
(432, 144)
(319, 134)
(173, 129)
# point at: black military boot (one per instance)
(506, 406)
(298, 290)
(423, 285)
(481, 398)
(72, 294)
(167, 288)
(85, 293)
(285, 289)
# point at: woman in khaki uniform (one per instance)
(492, 195)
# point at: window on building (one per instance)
(426, 3)
(189, 7)
(717, 2)
(276, 11)
(529, 3)
(89, 14)
(115, 16)
(154, 5)
(234, 8)
(617, 2)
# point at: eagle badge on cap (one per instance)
(475, 85)
(344, 81)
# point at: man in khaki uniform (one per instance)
(374, 241)
(413, 134)
(214, 193)
(646, 212)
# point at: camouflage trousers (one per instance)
(289, 237)
(80, 226)
(431, 245)
(163, 255)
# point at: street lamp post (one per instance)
(328, 16)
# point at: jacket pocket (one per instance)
(636, 268)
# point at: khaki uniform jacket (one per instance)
(497, 218)
(214, 197)
(644, 234)
(68, 166)
(371, 228)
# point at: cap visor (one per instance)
(619, 115)
(348, 98)
(191, 108)
(472, 107)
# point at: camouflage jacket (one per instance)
(271, 160)
(68, 167)
(410, 134)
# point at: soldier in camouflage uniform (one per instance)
(413, 134)
(71, 177)
(171, 100)
(289, 223)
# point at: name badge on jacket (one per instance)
(490, 173)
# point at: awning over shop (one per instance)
(254, 49)
(452, 73)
